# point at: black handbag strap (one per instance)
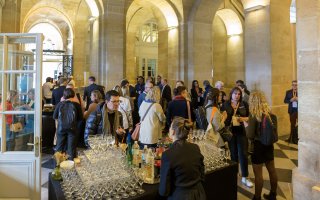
(145, 114)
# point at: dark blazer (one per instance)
(57, 94)
(88, 90)
(177, 107)
(194, 98)
(182, 168)
(166, 93)
(289, 95)
(243, 111)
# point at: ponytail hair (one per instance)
(181, 126)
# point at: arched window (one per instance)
(149, 32)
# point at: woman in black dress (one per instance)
(182, 168)
(262, 154)
(196, 95)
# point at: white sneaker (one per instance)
(246, 182)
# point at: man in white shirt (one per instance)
(47, 88)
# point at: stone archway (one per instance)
(200, 39)
(72, 20)
(168, 45)
(227, 45)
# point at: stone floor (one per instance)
(286, 158)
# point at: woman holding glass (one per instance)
(182, 167)
(238, 112)
(262, 154)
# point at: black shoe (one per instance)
(270, 196)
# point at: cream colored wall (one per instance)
(219, 48)
(283, 71)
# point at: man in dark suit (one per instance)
(58, 92)
(92, 86)
(291, 98)
(166, 96)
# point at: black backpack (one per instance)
(268, 129)
(67, 118)
(201, 118)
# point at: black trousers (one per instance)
(293, 128)
(66, 142)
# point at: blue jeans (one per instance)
(238, 150)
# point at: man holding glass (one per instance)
(291, 98)
(106, 120)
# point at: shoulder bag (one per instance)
(136, 132)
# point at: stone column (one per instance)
(173, 56)
(2, 2)
(10, 16)
(268, 54)
(306, 178)
(163, 53)
(113, 36)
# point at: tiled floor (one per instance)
(286, 158)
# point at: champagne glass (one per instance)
(226, 156)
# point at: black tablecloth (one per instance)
(48, 129)
(219, 184)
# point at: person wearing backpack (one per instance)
(68, 114)
(261, 128)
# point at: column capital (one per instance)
(253, 3)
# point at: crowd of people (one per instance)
(162, 110)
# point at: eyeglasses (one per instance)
(114, 102)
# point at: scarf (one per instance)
(106, 129)
(179, 97)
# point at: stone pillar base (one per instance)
(303, 187)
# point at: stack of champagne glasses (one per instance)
(214, 157)
(103, 173)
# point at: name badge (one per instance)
(294, 104)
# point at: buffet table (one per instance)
(219, 184)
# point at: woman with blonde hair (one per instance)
(152, 119)
(182, 167)
(259, 110)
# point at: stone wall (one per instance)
(306, 178)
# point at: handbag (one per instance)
(226, 134)
(211, 134)
(16, 127)
(135, 134)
